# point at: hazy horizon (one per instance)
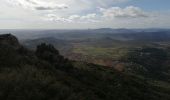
(86, 28)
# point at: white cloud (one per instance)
(129, 11)
(102, 15)
(89, 16)
(38, 4)
(72, 18)
(55, 18)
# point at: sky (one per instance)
(83, 14)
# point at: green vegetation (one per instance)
(150, 62)
(99, 52)
(99, 55)
(46, 75)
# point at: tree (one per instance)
(50, 54)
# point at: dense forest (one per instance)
(44, 74)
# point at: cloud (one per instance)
(102, 15)
(117, 12)
(69, 13)
(38, 4)
(88, 16)
(62, 6)
(72, 18)
(75, 5)
(55, 18)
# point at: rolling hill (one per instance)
(44, 74)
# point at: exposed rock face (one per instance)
(9, 40)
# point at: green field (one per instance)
(101, 53)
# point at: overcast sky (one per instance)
(81, 14)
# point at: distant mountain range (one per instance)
(34, 34)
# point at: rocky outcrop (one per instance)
(9, 40)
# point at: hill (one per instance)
(44, 74)
(101, 46)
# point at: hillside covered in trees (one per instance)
(44, 74)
